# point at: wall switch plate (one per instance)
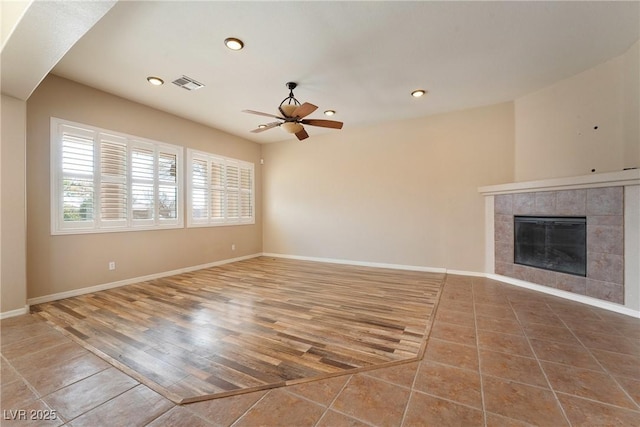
(112, 265)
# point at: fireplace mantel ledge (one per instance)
(608, 179)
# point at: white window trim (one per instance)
(60, 227)
(209, 221)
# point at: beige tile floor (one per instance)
(497, 356)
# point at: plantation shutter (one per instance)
(221, 190)
(77, 178)
(167, 186)
(106, 181)
(199, 190)
(113, 181)
(142, 184)
(233, 191)
(246, 193)
(218, 179)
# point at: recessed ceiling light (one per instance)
(418, 93)
(262, 126)
(156, 81)
(233, 43)
(329, 112)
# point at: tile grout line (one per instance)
(349, 416)
(249, 408)
(41, 397)
(106, 401)
(24, 380)
(415, 374)
(526, 337)
(159, 415)
(294, 394)
(615, 380)
(446, 399)
(475, 323)
(329, 406)
(387, 381)
(194, 413)
(588, 399)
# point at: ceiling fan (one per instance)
(293, 116)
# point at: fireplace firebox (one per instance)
(551, 243)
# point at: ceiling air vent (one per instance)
(187, 83)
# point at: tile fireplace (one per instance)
(609, 205)
(602, 209)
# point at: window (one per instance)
(221, 190)
(107, 181)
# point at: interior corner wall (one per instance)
(402, 193)
(631, 102)
(585, 122)
(64, 263)
(13, 273)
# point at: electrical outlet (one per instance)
(112, 265)
(233, 246)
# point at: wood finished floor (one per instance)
(252, 325)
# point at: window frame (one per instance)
(210, 221)
(99, 224)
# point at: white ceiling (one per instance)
(361, 59)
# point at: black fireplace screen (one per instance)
(551, 243)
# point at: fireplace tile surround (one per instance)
(611, 203)
(604, 209)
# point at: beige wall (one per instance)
(555, 135)
(69, 262)
(400, 193)
(13, 283)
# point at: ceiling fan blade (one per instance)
(266, 127)
(262, 114)
(302, 135)
(323, 123)
(304, 110)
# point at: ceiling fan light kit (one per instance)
(294, 115)
(291, 127)
(288, 109)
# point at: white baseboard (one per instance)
(359, 263)
(111, 285)
(14, 313)
(466, 273)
